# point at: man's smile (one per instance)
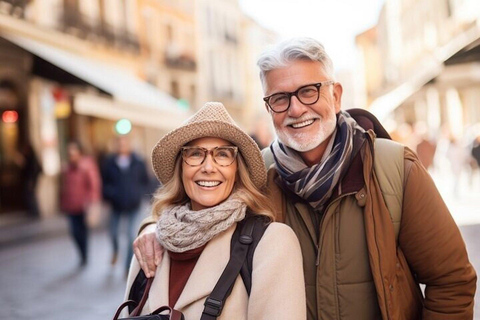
(302, 124)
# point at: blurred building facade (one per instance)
(77, 67)
(254, 39)
(221, 75)
(421, 63)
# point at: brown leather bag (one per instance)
(155, 315)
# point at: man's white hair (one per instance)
(294, 49)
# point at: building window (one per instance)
(449, 9)
(174, 89)
(169, 34)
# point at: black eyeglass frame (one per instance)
(207, 152)
(295, 93)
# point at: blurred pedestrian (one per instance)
(425, 147)
(262, 133)
(30, 170)
(476, 150)
(81, 187)
(125, 182)
(458, 157)
(426, 152)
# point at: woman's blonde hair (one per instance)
(173, 192)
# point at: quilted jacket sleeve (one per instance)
(434, 249)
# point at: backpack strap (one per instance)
(260, 225)
(246, 241)
(389, 164)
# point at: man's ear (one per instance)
(337, 96)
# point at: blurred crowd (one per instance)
(121, 179)
(443, 153)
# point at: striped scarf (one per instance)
(316, 184)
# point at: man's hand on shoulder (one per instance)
(148, 251)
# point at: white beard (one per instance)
(303, 142)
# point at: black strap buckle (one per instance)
(213, 307)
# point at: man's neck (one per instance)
(315, 155)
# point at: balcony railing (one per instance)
(183, 61)
(15, 8)
(72, 22)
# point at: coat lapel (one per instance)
(208, 269)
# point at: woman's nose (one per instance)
(209, 163)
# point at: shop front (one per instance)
(67, 97)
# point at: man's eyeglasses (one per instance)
(309, 94)
(223, 156)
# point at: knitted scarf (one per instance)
(316, 184)
(180, 229)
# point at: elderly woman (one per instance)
(213, 175)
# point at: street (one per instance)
(40, 277)
(42, 280)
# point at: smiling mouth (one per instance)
(208, 184)
(302, 124)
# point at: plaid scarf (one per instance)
(316, 184)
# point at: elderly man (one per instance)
(329, 188)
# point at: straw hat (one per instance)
(212, 120)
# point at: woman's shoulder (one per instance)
(279, 227)
(278, 242)
(277, 231)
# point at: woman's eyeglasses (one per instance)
(223, 156)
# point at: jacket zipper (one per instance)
(321, 224)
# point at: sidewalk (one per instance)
(22, 228)
(19, 227)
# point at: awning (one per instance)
(385, 104)
(142, 102)
(105, 108)
(429, 69)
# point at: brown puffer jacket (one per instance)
(353, 267)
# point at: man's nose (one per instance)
(296, 107)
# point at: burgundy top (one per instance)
(181, 266)
(81, 185)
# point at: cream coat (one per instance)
(278, 289)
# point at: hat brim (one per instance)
(165, 152)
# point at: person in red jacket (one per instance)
(81, 187)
